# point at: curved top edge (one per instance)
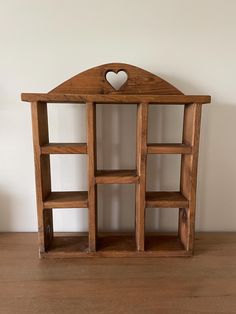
(95, 81)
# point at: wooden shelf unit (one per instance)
(140, 89)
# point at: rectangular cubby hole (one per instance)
(67, 123)
(163, 172)
(116, 217)
(161, 230)
(165, 123)
(67, 223)
(69, 201)
(165, 129)
(163, 183)
(116, 136)
(69, 172)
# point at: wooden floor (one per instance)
(205, 283)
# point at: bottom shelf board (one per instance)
(115, 245)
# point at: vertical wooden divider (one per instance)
(92, 166)
(188, 181)
(141, 157)
(42, 173)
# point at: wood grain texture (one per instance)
(116, 176)
(141, 159)
(203, 284)
(170, 148)
(92, 166)
(42, 173)
(141, 88)
(115, 245)
(64, 148)
(166, 200)
(66, 200)
(188, 179)
(117, 98)
(93, 81)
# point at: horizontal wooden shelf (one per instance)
(114, 98)
(166, 200)
(115, 245)
(172, 148)
(66, 200)
(64, 148)
(116, 176)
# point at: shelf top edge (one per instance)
(115, 98)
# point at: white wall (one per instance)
(189, 43)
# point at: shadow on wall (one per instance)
(116, 139)
(217, 169)
(5, 210)
(217, 166)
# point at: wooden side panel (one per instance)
(142, 117)
(42, 173)
(92, 167)
(188, 184)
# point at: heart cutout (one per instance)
(116, 79)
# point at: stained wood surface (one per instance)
(116, 176)
(42, 173)
(141, 160)
(205, 283)
(64, 148)
(188, 177)
(171, 148)
(66, 200)
(116, 98)
(166, 200)
(141, 88)
(94, 81)
(92, 167)
(115, 245)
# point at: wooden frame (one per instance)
(141, 89)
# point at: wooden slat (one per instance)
(166, 200)
(42, 173)
(188, 179)
(66, 200)
(64, 148)
(141, 157)
(172, 148)
(114, 98)
(116, 176)
(92, 166)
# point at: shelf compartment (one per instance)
(172, 148)
(64, 148)
(66, 200)
(163, 243)
(69, 242)
(72, 245)
(109, 242)
(166, 200)
(116, 176)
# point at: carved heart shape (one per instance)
(116, 79)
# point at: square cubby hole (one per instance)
(116, 217)
(161, 229)
(67, 123)
(116, 136)
(69, 172)
(163, 172)
(165, 124)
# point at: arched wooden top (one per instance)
(94, 81)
